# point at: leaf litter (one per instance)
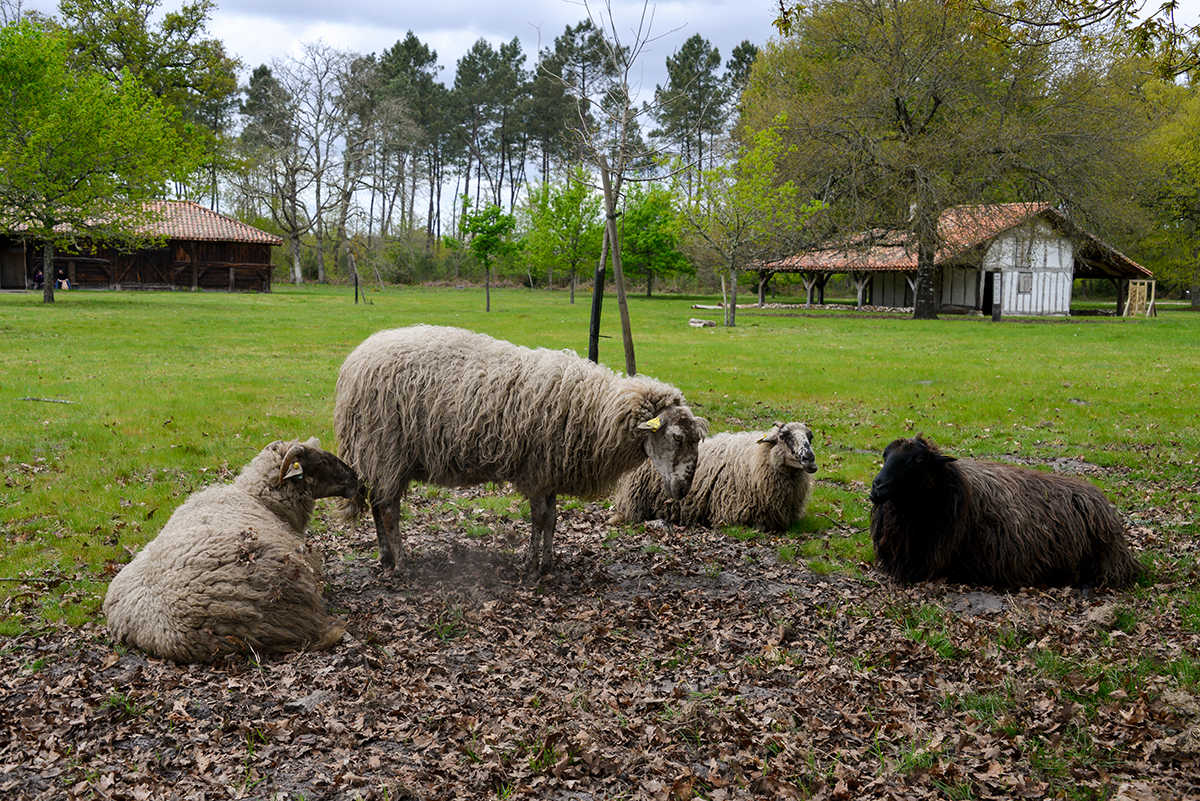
(656, 662)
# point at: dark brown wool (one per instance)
(999, 525)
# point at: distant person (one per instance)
(63, 283)
(38, 281)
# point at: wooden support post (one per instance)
(860, 284)
(997, 296)
(810, 283)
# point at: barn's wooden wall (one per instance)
(891, 290)
(227, 266)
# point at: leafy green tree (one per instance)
(172, 55)
(492, 86)
(651, 234)
(408, 72)
(1172, 44)
(488, 232)
(738, 67)
(902, 108)
(563, 228)
(742, 212)
(691, 108)
(79, 153)
(1171, 190)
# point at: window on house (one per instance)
(1024, 283)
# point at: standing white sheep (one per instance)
(759, 479)
(456, 408)
(231, 572)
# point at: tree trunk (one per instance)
(610, 203)
(294, 245)
(48, 272)
(925, 298)
(925, 229)
(731, 307)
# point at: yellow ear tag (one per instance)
(653, 423)
(294, 471)
(762, 438)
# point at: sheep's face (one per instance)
(793, 444)
(673, 445)
(324, 475)
(910, 466)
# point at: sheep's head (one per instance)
(324, 475)
(909, 466)
(792, 443)
(673, 445)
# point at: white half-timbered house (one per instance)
(1022, 256)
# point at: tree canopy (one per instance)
(902, 108)
(79, 153)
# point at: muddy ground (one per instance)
(656, 663)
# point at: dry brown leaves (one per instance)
(674, 663)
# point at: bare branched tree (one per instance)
(610, 138)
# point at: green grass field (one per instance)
(116, 406)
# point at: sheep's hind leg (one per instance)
(387, 532)
(543, 514)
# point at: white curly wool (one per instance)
(231, 571)
(751, 478)
(456, 408)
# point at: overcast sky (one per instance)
(258, 31)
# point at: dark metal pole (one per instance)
(597, 302)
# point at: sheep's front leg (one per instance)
(387, 532)
(543, 515)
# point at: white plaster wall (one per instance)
(1037, 249)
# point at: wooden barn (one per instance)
(1018, 258)
(199, 249)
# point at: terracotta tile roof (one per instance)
(183, 219)
(962, 228)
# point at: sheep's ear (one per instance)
(653, 424)
(771, 436)
(292, 467)
(943, 459)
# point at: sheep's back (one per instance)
(458, 409)
(1036, 526)
(735, 484)
(223, 574)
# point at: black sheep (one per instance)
(992, 524)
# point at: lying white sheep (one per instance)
(231, 572)
(456, 408)
(744, 479)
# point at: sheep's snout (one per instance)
(803, 458)
(880, 491)
(331, 477)
(680, 487)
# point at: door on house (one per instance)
(989, 293)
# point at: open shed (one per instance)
(199, 249)
(1021, 257)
